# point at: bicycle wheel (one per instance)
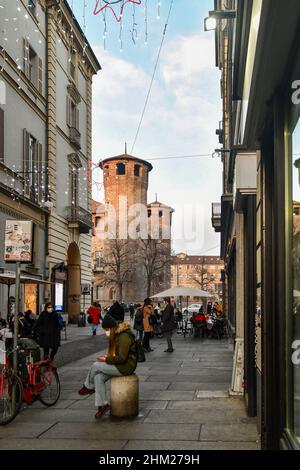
(51, 386)
(10, 387)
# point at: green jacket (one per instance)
(126, 352)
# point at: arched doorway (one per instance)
(74, 283)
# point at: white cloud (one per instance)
(182, 115)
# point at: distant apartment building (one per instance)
(200, 272)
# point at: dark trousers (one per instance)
(168, 335)
(146, 340)
(52, 354)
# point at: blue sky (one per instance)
(183, 111)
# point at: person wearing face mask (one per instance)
(47, 331)
(120, 360)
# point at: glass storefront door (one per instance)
(296, 279)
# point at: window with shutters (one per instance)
(32, 6)
(33, 66)
(74, 183)
(32, 168)
(72, 61)
(1, 135)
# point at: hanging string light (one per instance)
(146, 22)
(158, 9)
(134, 32)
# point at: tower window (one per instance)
(160, 214)
(121, 169)
(149, 212)
(137, 170)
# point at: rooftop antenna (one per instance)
(156, 197)
(125, 148)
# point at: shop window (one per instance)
(296, 281)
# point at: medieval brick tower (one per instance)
(125, 190)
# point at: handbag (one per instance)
(140, 352)
(90, 319)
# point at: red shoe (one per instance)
(101, 410)
(86, 391)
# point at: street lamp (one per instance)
(211, 22)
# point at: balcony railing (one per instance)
(79, 218)
(75, 137)
(216, 216)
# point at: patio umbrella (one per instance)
(181, 291)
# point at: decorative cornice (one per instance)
(74, 93)
(75, 160)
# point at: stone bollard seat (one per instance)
(124, 396)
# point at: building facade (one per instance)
(259, 56)
(48, 73)
(199, 272)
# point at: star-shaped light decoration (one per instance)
(108, 4)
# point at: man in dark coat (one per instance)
(168, 323)
(47, 331)
(117, 312)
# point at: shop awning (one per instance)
(10, 279)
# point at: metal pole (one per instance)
(16, 321)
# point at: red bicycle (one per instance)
(41, 382)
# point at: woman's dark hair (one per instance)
(147, 301)
(48, 304)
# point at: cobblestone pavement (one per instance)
(184, 404)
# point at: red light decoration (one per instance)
(108, 4)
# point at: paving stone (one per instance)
(132, 430)
(153, 405)
(221, 404)
(189, 386)
(199, 416)
(154, 386)
(64, 444)
(60, 404)
(165, 395)
(19, 430)
(229, 432)
(185, 445)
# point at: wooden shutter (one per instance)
(26, 166)
(69, 111)
(77, 119)
(1, 135)
(41, 175)
(26, 57)
(40, 75)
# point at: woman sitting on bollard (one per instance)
(120, 360)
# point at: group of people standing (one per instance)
(146, 319)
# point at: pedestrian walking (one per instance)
(47, 331)
(29, 323)
(117, 312)
(139, 323)
(148, 315)
(168, 323)
(131, 311)
(94, 317)
(121, 360)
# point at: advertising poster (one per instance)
(18, 241)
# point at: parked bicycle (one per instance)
(39, 381)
